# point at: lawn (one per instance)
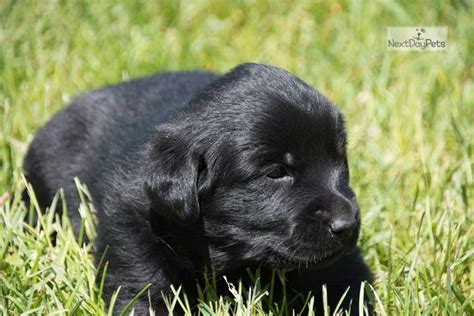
(410, 118)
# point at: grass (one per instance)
(410, 118)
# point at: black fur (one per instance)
(193, 169)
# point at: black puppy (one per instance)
(193, 169)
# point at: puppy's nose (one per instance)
(344, 227)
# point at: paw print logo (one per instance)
(419, 31)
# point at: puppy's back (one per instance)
(81, 140)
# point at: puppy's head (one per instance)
(259, 159)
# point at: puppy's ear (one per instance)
(172, 173)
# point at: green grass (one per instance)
(410, 118)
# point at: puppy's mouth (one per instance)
(304, 258)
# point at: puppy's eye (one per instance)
(277, 172)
